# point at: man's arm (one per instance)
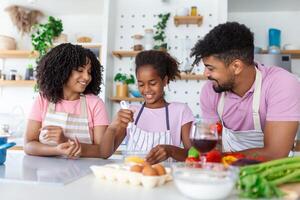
(279, 137)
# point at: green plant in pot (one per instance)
(160, 35)
(123, 80)
(44, 34)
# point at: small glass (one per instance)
(149, 41)
(204, 137)
(194, 11)
(137, 42)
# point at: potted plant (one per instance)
(123, 80)
(160, 36)
(44, 34)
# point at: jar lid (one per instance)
(137, 36)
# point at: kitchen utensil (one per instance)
(124, 105)
(3, 147)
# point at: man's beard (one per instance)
(222, 88)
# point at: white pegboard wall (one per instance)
(134, 16)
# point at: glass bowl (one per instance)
(207, 181)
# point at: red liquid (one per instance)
(204, 145)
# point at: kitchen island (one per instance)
(35, 178)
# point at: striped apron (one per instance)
(72, 125)
(233, 141)
(144, 141)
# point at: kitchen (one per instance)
(99, 19)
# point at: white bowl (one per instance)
(211, 181)
(7, 43)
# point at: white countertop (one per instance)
(25, 177)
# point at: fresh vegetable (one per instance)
(261, 180)
(191, 160)
(219, 128)
(228, 160)
(193, 152)
(214, 156)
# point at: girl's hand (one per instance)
(53, 133)
(124, 116)
(158, 154)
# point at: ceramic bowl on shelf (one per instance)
(7, 43)
(135, 93)
(208, 181)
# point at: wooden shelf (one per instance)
(121, 54)
(191, 77)
(126, 99)
(294, 53)
(18, 54)
(178, 20)
(21, 83)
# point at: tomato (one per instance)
(219, 128)
(191, 160)
(214, 156)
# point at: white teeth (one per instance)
(83, 83)
(149, 96)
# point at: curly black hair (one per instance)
(227, 42)
(162, 62)
(55, 68)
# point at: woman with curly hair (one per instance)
(67, 117)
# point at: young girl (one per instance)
(159, 126)
(67, 117)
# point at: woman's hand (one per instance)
(124, 116)
(53, 133)
(158, 154)
(70, 149)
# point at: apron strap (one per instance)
(256, 100)
(51, 107)
(83, 106)
(139, 114)
(167, 117)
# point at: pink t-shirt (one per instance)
(155, 119)
(97, 114)
(280, 101)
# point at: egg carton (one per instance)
(122, 174)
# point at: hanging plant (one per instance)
(44, 34)
(160, 34)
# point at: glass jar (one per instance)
(137, 42)
(149, 41)
(12, 74)
(194, 11)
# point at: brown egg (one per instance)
(149, 171)
(160, 169)
(136, 168)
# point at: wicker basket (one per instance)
(7, 43)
